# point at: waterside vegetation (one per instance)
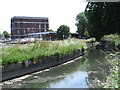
(37, 50)
(112, 39)
(113, 81)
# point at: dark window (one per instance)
(42, 25)
(46, 25)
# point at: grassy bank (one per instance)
(113, 40)
(113, 80)
(21, 53)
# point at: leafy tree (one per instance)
(81, 24)
(0, 35)
(63, 32)
(5, 34)
(50, 30)
(103, 18)
(86, 34)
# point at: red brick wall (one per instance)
(27, 25)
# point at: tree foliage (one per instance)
(50, 30)
(0, 35)
(81, 24)
(103, 18)
(86, 34)
(5, 34)
(63, 32)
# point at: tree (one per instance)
(103, 18)
(86, 34)
(5, 34)
(63, 32)
(0, 35)
(81, 24)
(50, 30)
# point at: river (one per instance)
(86, 72)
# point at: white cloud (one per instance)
(59, 11)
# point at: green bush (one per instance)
(113, 38)
(113, 80)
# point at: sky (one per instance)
(59, 12)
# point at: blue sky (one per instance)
(59, 12)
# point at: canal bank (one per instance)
(19, 69)
(25, 59)
(111, 44)
(85, 72)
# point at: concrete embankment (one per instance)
(20, 69)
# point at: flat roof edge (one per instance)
(27, 17)
(41, 33)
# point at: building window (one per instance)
(42, 26)
(46, 25)
(39, 26)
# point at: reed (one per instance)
(21, 53)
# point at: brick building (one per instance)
(22, 26)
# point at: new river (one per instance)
(86, 72)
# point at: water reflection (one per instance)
(84, 73)
(98, 67)
(76, 80)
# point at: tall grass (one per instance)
(22, 53)
(113, 81)
(113, 38)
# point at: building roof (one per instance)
(40, 33)
(27, 17)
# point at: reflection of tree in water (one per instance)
(98, 67)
